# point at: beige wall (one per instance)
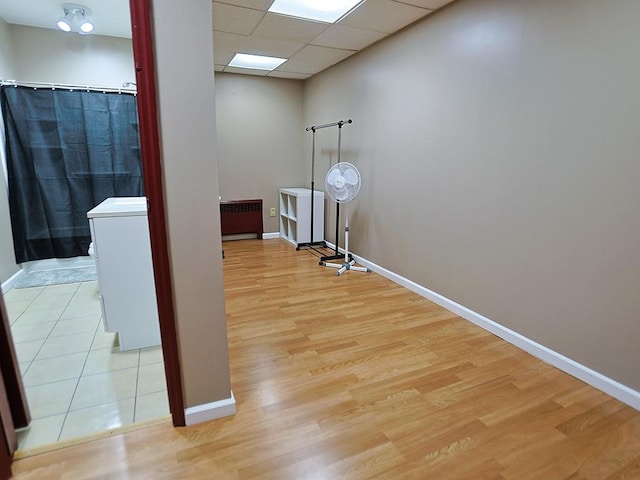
(8, 265)
(7, 67)
(46, 55)
(188, 130)
(498, 145)
(259, 126)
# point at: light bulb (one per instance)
(86, 26)
(64, 25)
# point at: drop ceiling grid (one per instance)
(312, 59)
(349, 38)
(385, 16)
(246, 26)
(429, 4)
(233, 19)
(289, 29)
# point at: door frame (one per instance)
(143, 54)
(7, 433)
(8, 437)
(11, 375)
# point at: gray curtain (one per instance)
(66, 152)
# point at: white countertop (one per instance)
(119, 207)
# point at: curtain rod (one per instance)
(127, 87)
(339, 123)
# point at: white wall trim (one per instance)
(210, 411)
(595, 379)
(249, 236)
(239, 236)
(8, 284)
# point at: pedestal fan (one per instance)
(342, 184)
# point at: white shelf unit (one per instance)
(295, 215)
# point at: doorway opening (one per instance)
(80, 295)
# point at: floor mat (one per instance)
(55, 277)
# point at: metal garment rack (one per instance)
(322, 243)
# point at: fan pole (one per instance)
(346, 240)
(337, 204)
(349, 262)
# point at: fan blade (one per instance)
(332, 176)
(351, 176)
(342, 194)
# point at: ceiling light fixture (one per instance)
(328, 11)
(75, 19)
(257, 62)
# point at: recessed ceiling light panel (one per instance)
(328, 11)
(258, 62)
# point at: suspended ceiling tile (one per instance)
(255, 4)
(247, 71)
(383, 16)
(232, 19)
(226, 45)
(289, 29)
(271, 47)
(228, 41)
(341, 36)
(313, 59)
(293, 76)
(430, 4)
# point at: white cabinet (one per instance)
(122, 249)
(295, 215)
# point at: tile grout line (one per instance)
(75, 390)
(135, 393)
(44, 340)
(30, 303)
(66, 414)
(95, 334)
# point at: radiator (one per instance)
(241, 216)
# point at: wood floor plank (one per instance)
(355, 377)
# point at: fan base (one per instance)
(334, 257)
(343, 267)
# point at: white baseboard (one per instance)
(240, 236)
(8, 284)
(249, 236)
(210, 411)
(595, 379)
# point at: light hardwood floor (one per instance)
(355, 377)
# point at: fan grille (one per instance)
(342, 182)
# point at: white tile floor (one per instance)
(76, 379)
